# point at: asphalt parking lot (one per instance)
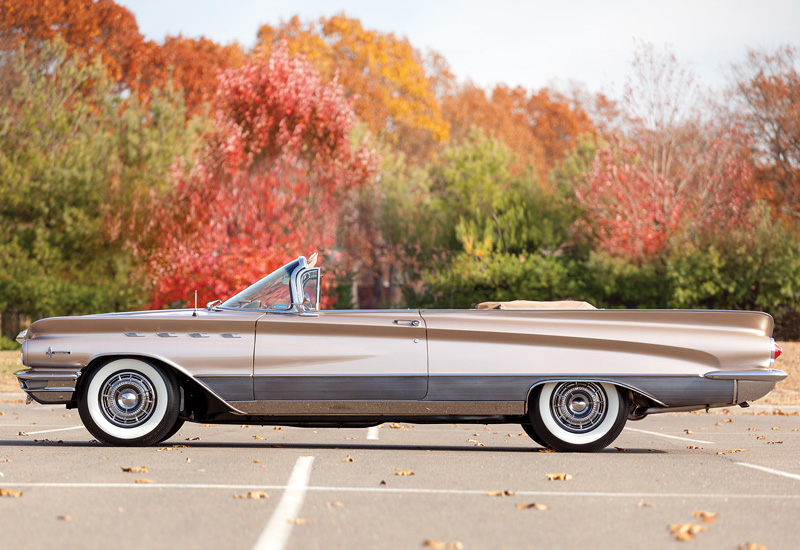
(735, 476)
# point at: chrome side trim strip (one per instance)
(758, 375)
(380, 408)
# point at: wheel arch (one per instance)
(636, 395)
(185, 379)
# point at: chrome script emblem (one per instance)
(50, 353)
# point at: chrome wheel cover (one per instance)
(127, 399)
(579, 407)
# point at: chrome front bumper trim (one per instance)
(755, 375)
(48, 388)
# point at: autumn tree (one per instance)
(266, 186)
(89, 28)
(768, 87)
(540, 127)
(383, 74)
(192, 65)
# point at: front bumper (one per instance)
(48, 387)
(749, 385)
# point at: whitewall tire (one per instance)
(578, 415)
(129, 402)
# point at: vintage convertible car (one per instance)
(571, 377)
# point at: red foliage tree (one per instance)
(266, 185)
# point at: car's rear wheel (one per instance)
(173, 430)
(129, 402)
(578, 415)
(528, 428)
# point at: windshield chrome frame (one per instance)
(296, 305)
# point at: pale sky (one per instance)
(533, 44)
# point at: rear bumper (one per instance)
(48, 387)
(749, 385)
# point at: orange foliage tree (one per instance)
(540, 127)
(768, 84)
(192, 65)
(88, 27)
(382, 73)
(266, 185)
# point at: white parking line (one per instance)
(372, 432)
(419, 491)
(276, 533)
(57, 430)
(769, 470)
(670, 436)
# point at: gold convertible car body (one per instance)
(571, 377)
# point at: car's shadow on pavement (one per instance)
(322, 446)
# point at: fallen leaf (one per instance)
(752, 429)
(642, 504)
(66, 415)
(349, 459)
(737, 451)
(299, 521)
(403, 472)
(10, 493)
(143, 480)
(256, 461)
(705, 516)
(685, 531)
(501, 493)
(510, 435)
(258, 437)
(2, 413)
(559, 477)
(104, 458)
(65, 518)
(728, 420)
(761, 437)
(693, 447)
(383, 482)
(535, 505)
(776, 427)
(620, 449)
(752, 546)
(688, 431)
(277, 428)
(455, 545)
(136, 469)
(476, 435)
(22, 433)
(254, 495)
(395, 426)
(773, 443)
(546, 450)
(335, 504)
(191, 438)
(188, 460)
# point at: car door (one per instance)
(341, 355)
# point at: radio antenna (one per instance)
(195, 304)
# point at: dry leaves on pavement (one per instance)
(398, 472)
(705, 516)
(254, 495)
(135, 470)
(642, 504)
(439, 545)
(142, 480)
(685, 531)
(348, 458)
(192, 438)
(694, 447)
(258, 437)
(752, 546)
(501, 493)
(559, 477)
(688, 431)
(534, 505)
(64, 518)
(10, 493)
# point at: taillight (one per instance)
(776, 350)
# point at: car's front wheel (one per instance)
(578, 415)
(129, 402)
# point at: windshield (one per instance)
(271, 292)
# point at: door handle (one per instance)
(409, 322)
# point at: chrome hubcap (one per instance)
(579, 407)
(127, 399)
